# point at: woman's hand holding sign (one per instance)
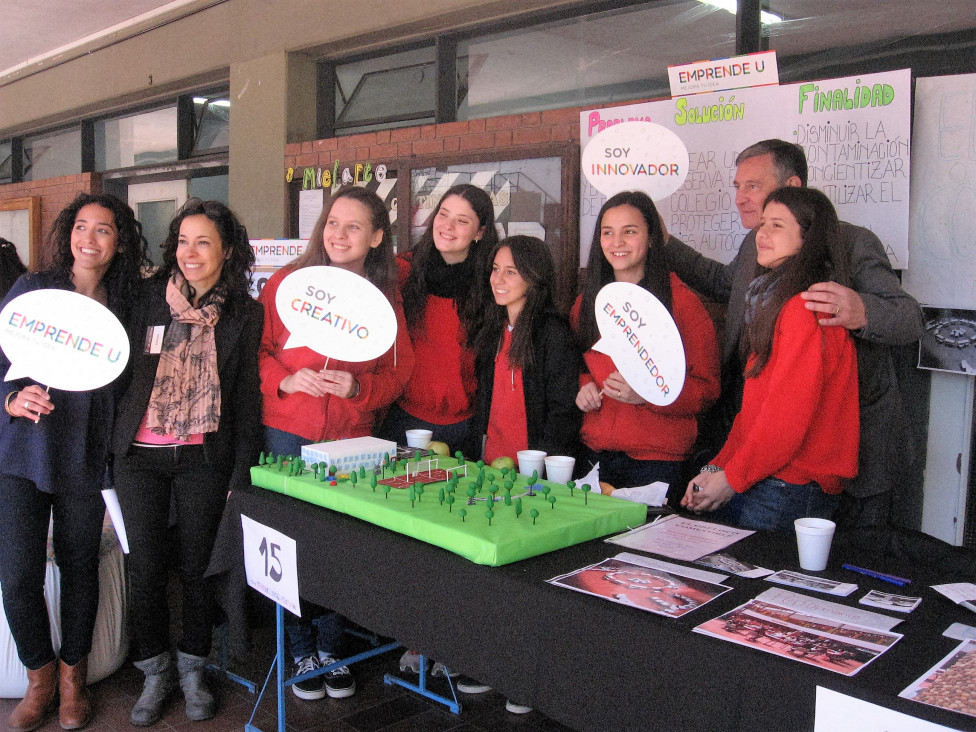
(589, 398)
(31, 402)
(616, 387)
(306, 381)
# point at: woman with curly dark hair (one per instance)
(53, 449)
(188, 430)
(444, 299)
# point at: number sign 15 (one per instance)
(270, 563)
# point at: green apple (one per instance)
(502, 462)
(439, 448)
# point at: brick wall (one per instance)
(477, 135)
(55, 194)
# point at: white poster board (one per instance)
(855, 131)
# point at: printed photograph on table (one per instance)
(645, 588)
(951, 683)
(840, 647)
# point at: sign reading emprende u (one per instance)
(62, 340)
(335, 313)
(640, 335)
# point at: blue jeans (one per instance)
(773, 504)
(24, 519)
(622, 471)
(319, 629)
(398, 421)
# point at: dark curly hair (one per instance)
(470, 304)
(235, 275)
(533, 261)
(130, 258)
(10, 266)
(821, 257)
(657, 275)
(380, 264)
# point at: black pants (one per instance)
(24, 516)
(151, 480)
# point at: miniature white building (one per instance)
(349, 455)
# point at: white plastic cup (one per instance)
(559, 468)
(813, 537)
(531, 460)
(419, 438)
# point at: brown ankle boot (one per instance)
(32, 710)
(76, 705)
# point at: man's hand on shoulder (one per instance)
(842, 303)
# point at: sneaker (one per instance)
(410, 662)
(467, 685)
(516, 708)
(339, 682)
(313, 688)
(440, 670)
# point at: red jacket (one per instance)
(442, 392)
(799, 417)
(646, 431)
(326, 418)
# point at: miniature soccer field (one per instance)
(463, 526)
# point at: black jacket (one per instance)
(235, 446)
(549, 390)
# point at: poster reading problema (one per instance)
(855, 132)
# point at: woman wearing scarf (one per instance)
(795, 439)
(187, 432)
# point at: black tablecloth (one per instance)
(592, 664)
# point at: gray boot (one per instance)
(160, 683)
(200, 702)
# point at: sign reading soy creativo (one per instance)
(336, 313)
(62, 340)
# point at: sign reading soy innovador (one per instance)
(855, 132)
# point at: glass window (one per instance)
(211, 120)
(137, 139)
(53, 154)
(6, 166)
(387, 91)
(870, 36)
(612, 56)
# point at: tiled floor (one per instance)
(375, 706)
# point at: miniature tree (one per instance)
(534, 513)
(333, 470)
(420, 492)
(362, 471)
(372, 482)
(460, 457)
(413, 495)
(518, 507)
(441, 495)
(489, 514)
(450, 502)
(480, 464)
(323, 476)
(493, 490)
(261, 458)
(586, 493)
(462, 513)
(354, 478)
(552, 500)
(387, 489)
(571, 484)
(546, 490)
(504, 473)
(471, 493)
(535, 477)
(508, 499)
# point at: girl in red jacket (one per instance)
(635, 442)
(306, 403)
(796, 436)
(443, 298)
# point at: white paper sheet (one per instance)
(680, 538)
(841, 713)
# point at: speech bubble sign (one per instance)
(636, 156)
(639, 334)
(62, 340)
(336, 313)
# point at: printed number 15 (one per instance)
(274, 570)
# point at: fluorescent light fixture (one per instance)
(731, 6)
(214, 103)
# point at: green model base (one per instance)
(572, 519)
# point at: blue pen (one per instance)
(889, 578)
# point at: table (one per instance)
(592, 664)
